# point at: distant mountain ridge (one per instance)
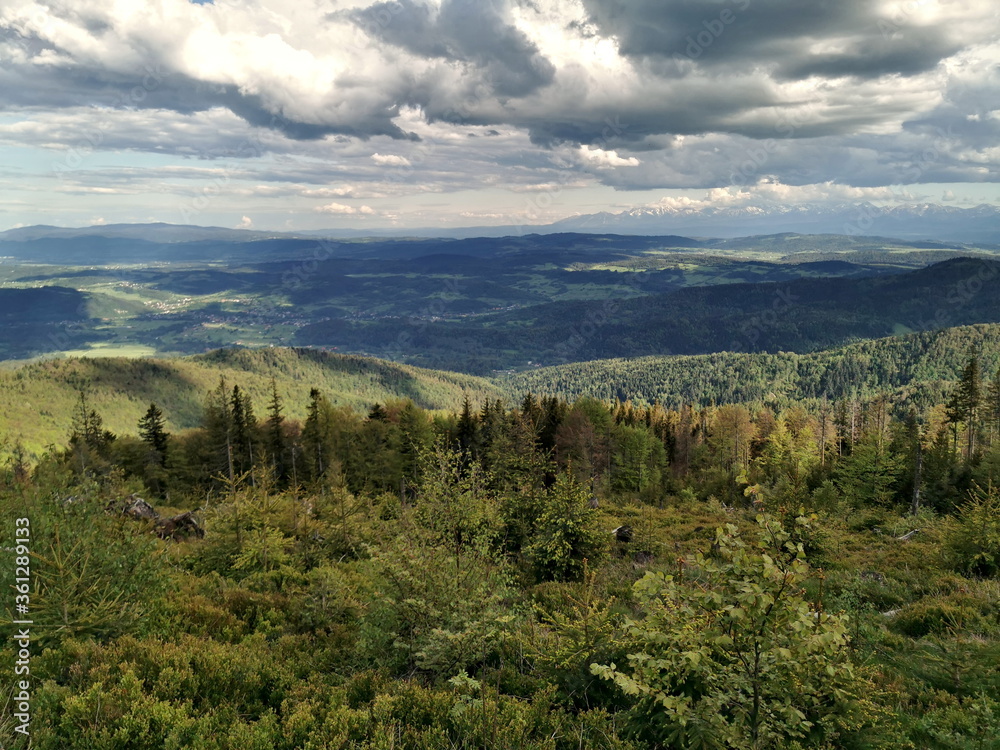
(924, 221)
(914, 221)
(152, 232)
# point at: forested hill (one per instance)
(925, 365)
(37, 401)
(801, 315)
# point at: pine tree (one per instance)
(218, 425)
(553, 412)
(467, 433)
(964, 404)
(89, 442)
(992, 407)
(244, 431)
(317, 445)
(153, 433)
(276, 442)
(416, 437)
(19, 463)
(88, 427)
(870, 474)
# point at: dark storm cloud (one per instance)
(467, 31)
(778, 35)
(154, 87)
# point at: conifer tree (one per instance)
(964, 404)
(153, 432)
(88, 427)
(416, 437)
(321, 443)
(244, 429)
(89, 442)
(467, 433)
(275, 440)
(992, 407)
(154, 435)
(218, 424)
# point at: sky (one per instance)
(307, 114)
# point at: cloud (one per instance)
(605, 159)
(768, 195)
(344, 210)
(390, 160)
(350, 99)
(472, 32)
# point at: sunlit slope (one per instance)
(924, 363)
(37, 400)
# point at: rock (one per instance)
(182, 526)
(641, 559)
(624, 534)
(134, 507)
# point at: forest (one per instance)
(536, 574)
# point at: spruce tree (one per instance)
(467, 433)
(964, 405)
(154, 435)
(153, 432)
(243, 431)
(416, 437)
(276, 442)
(315, 435)
(992, 407)
(218, 425)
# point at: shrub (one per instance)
(974, 544)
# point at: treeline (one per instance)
(878, 451)
(918, 368)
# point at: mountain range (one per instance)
(916, 221)
(980, 224)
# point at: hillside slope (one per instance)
(37, 400)
(923, 364)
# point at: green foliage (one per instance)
(455, 504)
(566, 534)
(38, 400)
(920, 366)
(93, 574)
(733, 656)
(974, 543)
(870, 474)
(972, 724)
(956, 613)
(434, 611)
